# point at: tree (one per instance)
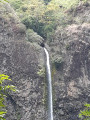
(4, 89)
(43, 16)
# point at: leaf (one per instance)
(1, 118)
(1, 104)
(11, 87)
(85, 113)
(1, 113)
(3, 77)
(80, 116)
(87, 105)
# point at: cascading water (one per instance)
(50, 102)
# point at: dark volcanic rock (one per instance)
(21, 60)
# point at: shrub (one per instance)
(44, 18)
(19, 28)
(58, 62)
(35, 24)
(85, 114)
(41, 71)
(3, 94)
(16, 3)
(33, 37)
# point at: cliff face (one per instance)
(21, 60)
(70, 54)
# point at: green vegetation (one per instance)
(4, 89)
(57, 61)
(3, 0)
(85, 114)
(43, 16)
(41, 71)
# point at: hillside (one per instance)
(22, 61)
(64, 29)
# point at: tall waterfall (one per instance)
(50, 101)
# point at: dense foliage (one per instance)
(43, 18)
(4, 89)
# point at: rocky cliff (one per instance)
(22, 61)
(70, 54)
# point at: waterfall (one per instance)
(50, 101)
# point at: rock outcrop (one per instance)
(21, 60)
(71, 79)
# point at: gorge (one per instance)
(23, 58)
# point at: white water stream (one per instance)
(50, 101)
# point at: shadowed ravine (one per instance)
(50, 103)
